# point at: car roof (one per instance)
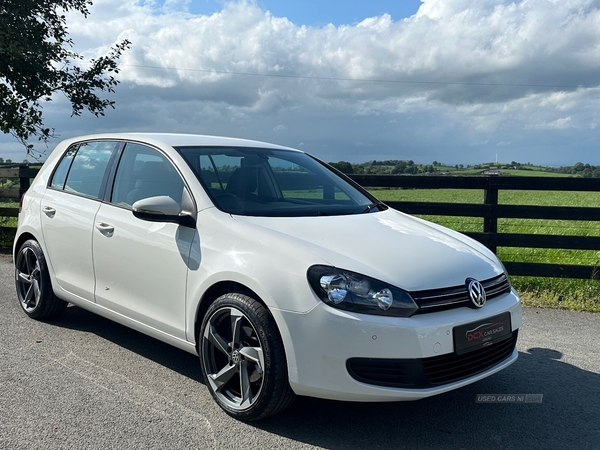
(182, 140)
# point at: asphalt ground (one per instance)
(83, 382)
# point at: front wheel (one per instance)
(32, 280)
(243, 360)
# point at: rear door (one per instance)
(68, 209)
(141, 267)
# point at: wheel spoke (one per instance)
(26, 254)
(212, 335)
(245, 390)
(36, 270)
(254, 354)
(36, 289)
(23, 277)
(28, 296)
(218, 380)
(237, 328)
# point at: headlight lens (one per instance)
(351, 291)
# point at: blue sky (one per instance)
(322, 12)
(456, 81)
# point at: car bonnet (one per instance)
(390, 246)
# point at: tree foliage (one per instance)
(343, 166)
(37, 61)
(390, 166)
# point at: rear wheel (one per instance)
(243, 360)
(32, 280)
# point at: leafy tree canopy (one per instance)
(37, 60)
(343, 166)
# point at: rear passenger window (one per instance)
(89, 167)
(82, 170)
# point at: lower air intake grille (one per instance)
(430, 372)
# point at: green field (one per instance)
(550, 292)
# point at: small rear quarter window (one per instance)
(60, 174)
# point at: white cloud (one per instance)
(469, 42)
(558, 124)
(457, 72)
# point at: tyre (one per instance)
(243, 360)
(32, 280)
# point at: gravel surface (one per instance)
(83, 382)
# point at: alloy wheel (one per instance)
(28, 277)
(233, 358)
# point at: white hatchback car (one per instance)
(282, 274)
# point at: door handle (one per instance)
(49, 211)
(105, 228)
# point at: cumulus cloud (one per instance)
(456, 51)
(457, 72)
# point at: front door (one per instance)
(141, 267)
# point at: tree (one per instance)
(37, 61)
(399, 168)
(343, 166)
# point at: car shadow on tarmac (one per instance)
(185, 363)
(567, 417)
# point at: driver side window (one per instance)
(145, 172)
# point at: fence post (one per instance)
(23, 180)
(490, 221)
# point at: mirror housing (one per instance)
(165, 209)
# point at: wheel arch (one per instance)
(23, 237)
(212, 294)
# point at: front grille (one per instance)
(430, 372)
(454, 297)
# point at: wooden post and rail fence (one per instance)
(489, 210)
(23, 173)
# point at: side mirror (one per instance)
(162, 209)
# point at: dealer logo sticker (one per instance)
(476, 292)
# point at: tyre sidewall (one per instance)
(266, 331)
(47, 295)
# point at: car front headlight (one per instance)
(351, 291)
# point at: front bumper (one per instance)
(319, 344)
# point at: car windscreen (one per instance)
(274, 183)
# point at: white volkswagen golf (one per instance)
(283, 275)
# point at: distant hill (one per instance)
(513, 168)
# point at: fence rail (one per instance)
(489, 210)
(24, 174)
